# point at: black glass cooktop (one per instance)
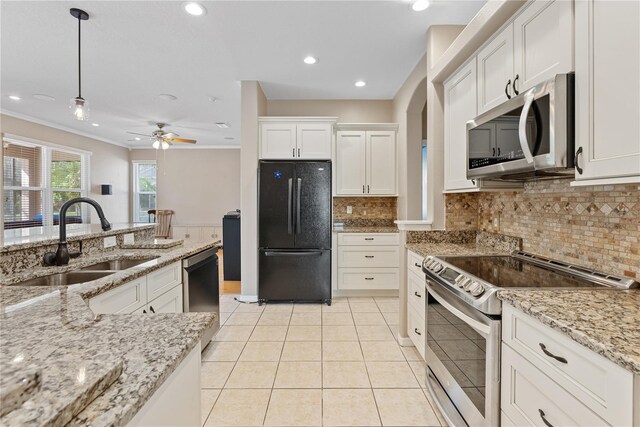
(512, 272)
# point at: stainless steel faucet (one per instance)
(62, 255)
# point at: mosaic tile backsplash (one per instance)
(596, 227)
(367, 211)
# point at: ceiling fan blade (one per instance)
(170, 135)
(136, 133)
(188, 141)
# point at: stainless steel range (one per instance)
(463, 317)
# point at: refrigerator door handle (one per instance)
(306, 253)
(289, 208)
(298, 224)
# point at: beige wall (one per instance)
(109, 163)
(200, 185)
(346, 110)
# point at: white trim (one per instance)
(366, 126)
(60, 127)
(191, 147)
(405, 341)
(414, 225)
(296, 119)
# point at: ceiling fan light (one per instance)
(80, 108)
(165, 145)
(156, 144)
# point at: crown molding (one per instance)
(296, 119)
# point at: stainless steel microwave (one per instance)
(530, 136)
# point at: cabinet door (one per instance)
(350, 162)
(459, 107)
(608, 88)
(314, 141)
(381, 162)
(543, 42)
(127, 298)
(495, 70)
(169, 302)
(277, 141)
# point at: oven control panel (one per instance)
(454, 278)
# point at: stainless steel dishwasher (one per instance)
(201, 287)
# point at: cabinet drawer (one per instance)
(368, 239)
(530, 398)
(368, 278)
(415, 326)
(169, 302)
(414, 263)
(126, 298)
(600, 384)
(160, 281)
(416, 293)
(365, 256)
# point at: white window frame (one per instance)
(136, 190)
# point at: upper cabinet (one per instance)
(299, 138)
(607, 91)
(366, 160)
(534, 47)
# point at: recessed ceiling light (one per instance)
(195, 9)
(95, 124)
(310, 60)
(15, 97)
(213, 99)
(420, 5)
(222, 125)
(43, 97)
(137, 138)
(360, 83)
(229, 138)
(167, 97)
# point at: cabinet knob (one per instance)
(514, 85)
(506, 89)
(578, 155)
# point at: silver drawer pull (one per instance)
(416, 331)
(368, 278)
(368, 238)
(417, 294)
(553, 356)
(368, 256)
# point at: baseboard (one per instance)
(405, 341)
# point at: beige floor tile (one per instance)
(364, 307)
(345, 375)
(299, 375)
(382, 351)
(374, 333)
(391, 375)
(342, 307)
(243, 319)
(341, 351)
(277, 307)
(304, 333)
(249, 308)
(337, 319)
(369, 319)
(222, 351)
(239, 408)
(215, 374)
(339, 300)
(386, 299)
(233, 333)
(411, 353)
(307, 308)
(420, 371)
(295, 408)
(274, 319)
(269, 333)
(388, 307)
(306, 318)
(339, 333)
(392, 318)
(405, 408)
(228, 306)
(360, 299)
(252, 375)
(208, 397)
(349, 407)
(299, 351)
(223, 317)
(261, 351)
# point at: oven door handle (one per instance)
(477, 325)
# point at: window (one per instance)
(38, 180)
(144, 190)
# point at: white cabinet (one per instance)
(126, 298)
(543, 42)
(416, 297)
(366, 161)
(495, 70)
(169, 302)
(303, 138)
(459, 107)
(368, 261)
(607, 91)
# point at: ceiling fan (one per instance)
(162, 138)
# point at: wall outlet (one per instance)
(496, 221)
(129, 239)
(109, 242)
(364, 212)
(349, 210)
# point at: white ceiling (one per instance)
(134, 51)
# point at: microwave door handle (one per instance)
(522, 128)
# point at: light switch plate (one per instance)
(496, 221)
(349, 210)
(109, 242)
(129, 239)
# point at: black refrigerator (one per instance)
(294, 227)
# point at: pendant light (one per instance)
(79, 106)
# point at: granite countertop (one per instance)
(366, 229)
(424, 249)
(153, 244)
(604, 321)
(81, 368)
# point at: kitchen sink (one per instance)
(117, 264)
(65, 279)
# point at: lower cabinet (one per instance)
(416, 295)
(368, 261)
(158, 292)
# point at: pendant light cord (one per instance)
(79, 58)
